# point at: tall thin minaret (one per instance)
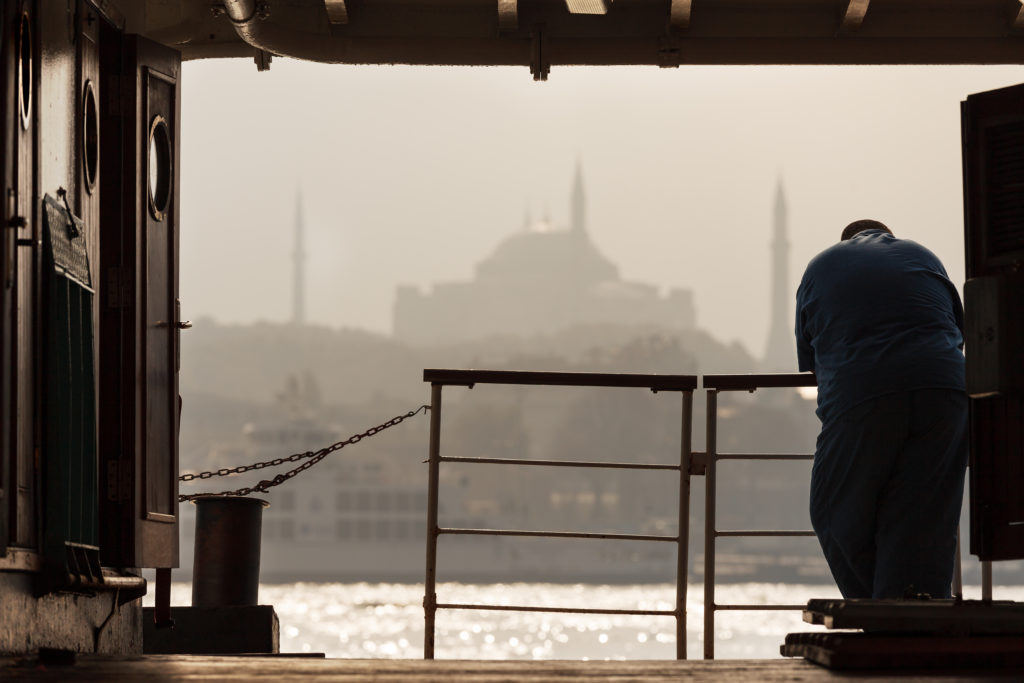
(299, 266)
(578, 208)
(780, 352)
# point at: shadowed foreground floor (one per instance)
(159, 668)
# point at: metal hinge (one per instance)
(14, 220)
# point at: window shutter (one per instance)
(993, 168)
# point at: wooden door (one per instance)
(8, 245)
(159, 282)
(993, 166)
(19, 252)
(139, 323)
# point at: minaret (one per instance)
(577, 208)
(299, 267)
(780, 352)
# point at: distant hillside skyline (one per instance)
(252, 361)
(681, 174)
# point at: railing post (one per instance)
(709, 523)
(683, 553)
(430, 592)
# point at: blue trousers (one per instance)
(886, 489)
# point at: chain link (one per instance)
(311, 458)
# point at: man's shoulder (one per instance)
(826, 259)
(916, 248)
(871, 250)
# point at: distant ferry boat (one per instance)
(360, 515)
(363, 518)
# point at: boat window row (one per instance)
(379, 530)
(381, 501)
(608, 499)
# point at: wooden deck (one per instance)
(173, 668)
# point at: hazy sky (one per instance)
(414, 174)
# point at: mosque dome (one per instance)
(562, 256)
(538, 280)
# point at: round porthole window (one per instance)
(90, 137)
(159, 167)
(25, 69)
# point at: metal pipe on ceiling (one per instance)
(490, 37)
(258, 28)
(255, 27)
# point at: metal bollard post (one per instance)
(226, 566)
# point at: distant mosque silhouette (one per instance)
(780, 350)
(538, 281)
(299, 265)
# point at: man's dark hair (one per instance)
(862, 225)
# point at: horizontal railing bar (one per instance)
(759, 381)
(555, 534)
(573, 379)
(764, 456)
(763, 533)
(566, 610)
(753, 608)
(561, 463)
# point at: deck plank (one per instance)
(191, 669)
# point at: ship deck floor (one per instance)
(194, 668)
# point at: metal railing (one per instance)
(714, 384)
(690, 463)
(686, 384)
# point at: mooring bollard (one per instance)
(226, 564)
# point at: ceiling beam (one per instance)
(337, 13)
(679, 14)
(587, 6)
(508, 15)
(853, 16)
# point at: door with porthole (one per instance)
(140, 312)
(160, 325)
(18, 271)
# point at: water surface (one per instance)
(371, 620)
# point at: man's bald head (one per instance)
(862, 225)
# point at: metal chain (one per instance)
(311, 457)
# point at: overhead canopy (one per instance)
(544, 33)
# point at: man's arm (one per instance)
(804, 350)
(954, 296)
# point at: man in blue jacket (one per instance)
(881, 325)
